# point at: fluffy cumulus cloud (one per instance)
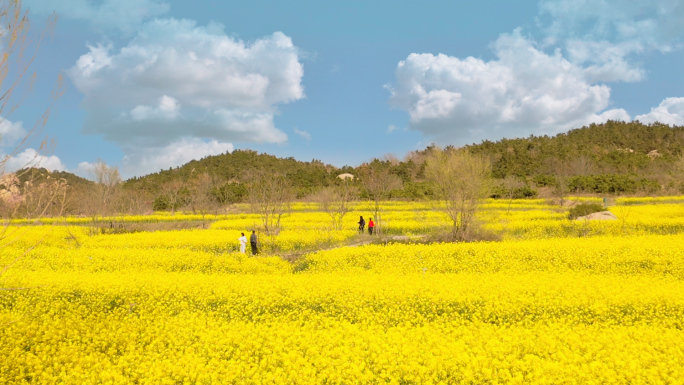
(15, 155)
(545, 86)
(175, 154)
(123, 15)
(176, 82)
(85, 170)
(670, 111)
(11, 133)
(524, 91)
(604, 61)
(32, 158)
(609, 35)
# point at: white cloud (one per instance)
(546, 87)
(13, 152)
(32, 158)
(524, 91)
(167, 109)
(123, 15)
(670, 111)
(176, 80)
(303, 134)
(617, 114)
(11, 133)
(605, 61)
(656, 24)
(391, 128)
(143, 161)
(609, 35)
(85, 170)
(97, 59)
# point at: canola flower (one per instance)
(545, 306)
(322, 328)
(649, 200)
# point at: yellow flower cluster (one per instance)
(321, 328)
(659, 255)
(632, 220)
(649, 200)
(177, 307)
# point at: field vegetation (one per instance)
(554, 299)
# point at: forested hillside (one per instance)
(613, 147)
(241, 166)
(614, 158)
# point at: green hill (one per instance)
(38, 175)
(614, 157)
(240, 166)
(613, 147)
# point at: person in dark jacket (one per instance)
(362, 225)
(253, 242)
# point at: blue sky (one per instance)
(152, 84)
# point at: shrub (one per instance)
(612, 183)
(605, 183)
(164, 203)
(583, 209)
(230, 193)
(514, 193)
(648, 185)
(414, 190)
(544, 180)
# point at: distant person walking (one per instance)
(362, 225)
(371, 226)
(253, 242)
(243, 243)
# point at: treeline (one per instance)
(612, 147)
(609, 158)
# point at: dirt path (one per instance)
(294, 257)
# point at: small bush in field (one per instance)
(583, 209)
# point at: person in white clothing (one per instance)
(243, 243)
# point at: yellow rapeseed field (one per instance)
(556, 301)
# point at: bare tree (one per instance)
(19, 52)
(563, 171)
(102, 198)
(39, 196)
(461, 180)
(510, 185)
(270, 196)
(201, 199)
(16, 81)
(133, 200)
(107, 183)
(336, 201)
(175, 193)
(378, 182)
(581, 165)
(391, 159)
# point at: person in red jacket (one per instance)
(371, 226)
